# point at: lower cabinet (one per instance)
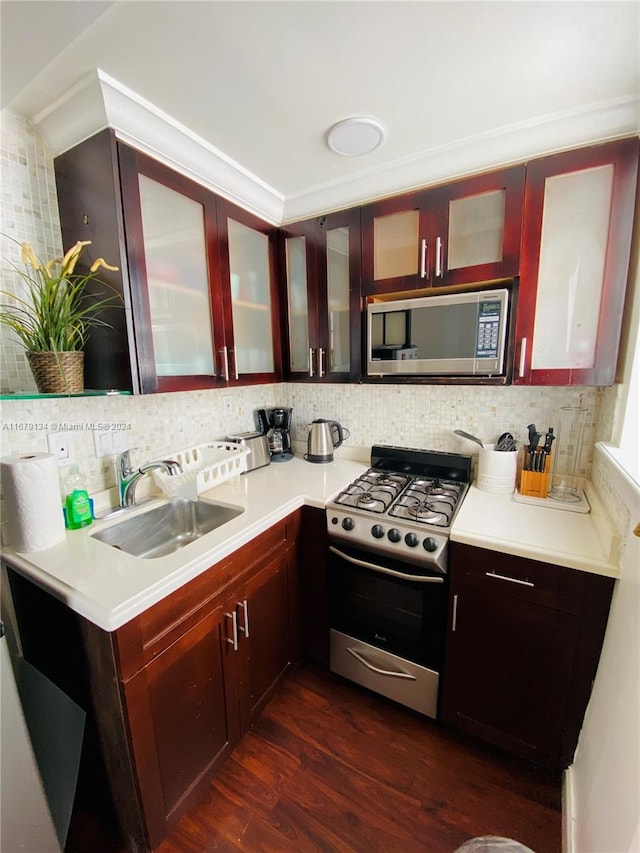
(523, 645)
(212, 653)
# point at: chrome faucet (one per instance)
(128, 477)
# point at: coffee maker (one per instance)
(276, 424)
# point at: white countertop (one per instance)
(576, 540)
(110, 587)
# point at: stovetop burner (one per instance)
(419, 499)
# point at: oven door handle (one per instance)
(394, 673)
(382, 569)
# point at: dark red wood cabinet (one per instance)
(320, 271)
(199, 304)
(576, 239)
(523, 644)
(459, 233)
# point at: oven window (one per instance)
(406, 618)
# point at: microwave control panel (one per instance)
(488, 331)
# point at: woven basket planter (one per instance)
(57, 372)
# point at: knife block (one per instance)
(536, 483)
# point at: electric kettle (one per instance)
(324, 437)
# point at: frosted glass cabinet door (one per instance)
(578, 224)
(177, 277)
(297, 301)
(573, 246)
(250, 274)
(476, 230)
(395, 241)
(338, 313)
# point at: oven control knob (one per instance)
(378, 531)
(429, 544)
(412, 539)
(394, 535)
(348, 523)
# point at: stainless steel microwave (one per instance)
(459, 334)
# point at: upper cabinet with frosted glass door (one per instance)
(458, 233)
(251, 348)
(320, 262)
(578, 224)
(198, 305)
(172, 252)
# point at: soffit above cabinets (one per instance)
(241, 95)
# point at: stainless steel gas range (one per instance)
(388, 542)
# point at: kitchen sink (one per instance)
(167, 528)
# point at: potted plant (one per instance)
(53, 317)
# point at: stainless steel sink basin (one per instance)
(167, 528)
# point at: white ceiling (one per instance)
(262, 82)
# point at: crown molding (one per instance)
(98, 101)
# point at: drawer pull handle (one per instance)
(394, 673)
(234, 625)
(245, 612)
(506, 578)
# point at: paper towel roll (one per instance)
(32, 500)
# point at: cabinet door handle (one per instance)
(523, 357)
(507, 578)
(454, 619)
(423, 259)
(320, 358)
(225, 363)
(234, 628)
(235, 363)
(393, 673)
(245, 618)
(439, 269)
(310, 362)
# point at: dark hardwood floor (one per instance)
(329, 767)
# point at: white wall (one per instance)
(603, 784)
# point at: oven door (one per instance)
(388, 604)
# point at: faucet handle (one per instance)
(123, 463)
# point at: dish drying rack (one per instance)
(203, 467)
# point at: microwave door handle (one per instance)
(382, 569)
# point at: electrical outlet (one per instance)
(227, 404)
(62, 447)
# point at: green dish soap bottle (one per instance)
(76, 503)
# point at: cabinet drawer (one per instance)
(146, 636)
(517, 577)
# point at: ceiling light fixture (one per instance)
(355, 136)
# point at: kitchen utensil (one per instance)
(258, 445)
(324, 436)
(506, 443)
(534, 437)
(548, 440)
(496, 470)
(468, 436)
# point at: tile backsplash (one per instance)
(29, 213)
(416, 416)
